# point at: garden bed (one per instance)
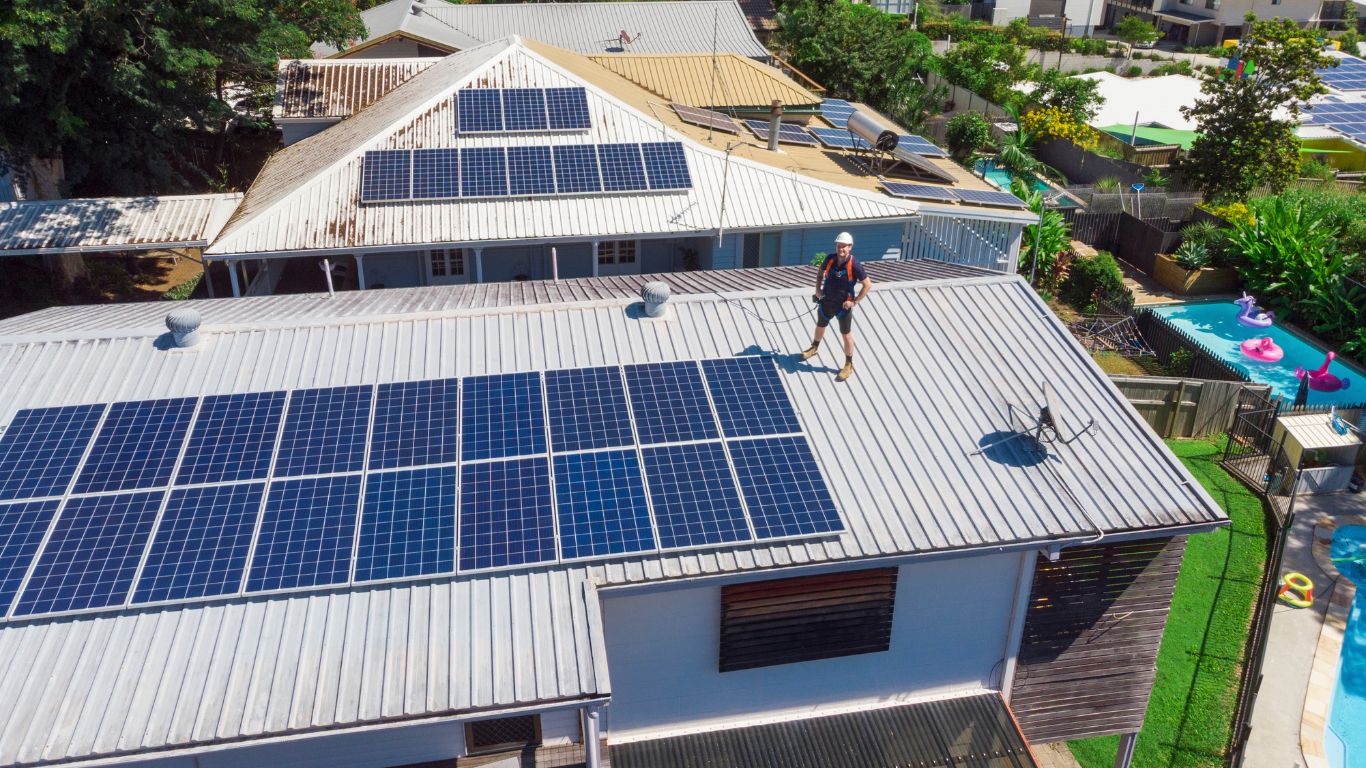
(1194, 282)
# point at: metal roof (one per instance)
(701, 80)
(676, 26)
(112, 223)
(1314, 431)
(313, 89)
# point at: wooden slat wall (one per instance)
(781, 621)
(1089, 651)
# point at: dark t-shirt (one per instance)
(841, 279)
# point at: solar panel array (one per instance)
(838, 138)
(945, 194)
(1349, 118)
(1348, 75)
(520, 110)
(787, 132)
(192, 498)
(705, 118)
(918, 145)
(837, 112)
(477, 172)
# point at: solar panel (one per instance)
(787, 133)
(524, 109)
(669, 403)
(137, 445)
(576, 169)
(920, 146)
(1349, 75)
(407, 526)
(483, 172)
(92, 555)
(666, 165)
(705, 118)
(694, 496)
(838, 138)
(919, 191)
(201, 545)
(567, 108)
(587, 409)
(307, 531)
(600, 501)
(623, 170)
(386, 175)
(436, 174)
(233, 438)
(22, 526)
(989, 197)
(531, 171)
(501, 416)
(479, 110)
(837, 112)
(784, 491)
(324, 431)
(41, 448)
(505, 514)
(415, 424)
(749, 397)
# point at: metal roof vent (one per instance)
(416, 8)
(183, 323)
(655, 294)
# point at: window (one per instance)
(448, 262)
(502, 734)
(1213, 5)
(763, 249)
(617, 252)
(781, 621)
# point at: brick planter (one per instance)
(1197, 282)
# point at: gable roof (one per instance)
(113, 223)
(662, 26)
(702, 80)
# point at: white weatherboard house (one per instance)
(435, 525)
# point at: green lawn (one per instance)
(1191, 711)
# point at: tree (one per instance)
(1135, 31)
(965, 133)
(985, 67)
(1246, 125)
(1077, 96)
(1044, 240)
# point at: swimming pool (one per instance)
(1345, 739)
(1215, 325)
(1001, 178)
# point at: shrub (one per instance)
(1134, 71)
(1343, 212)
(1192, 255)
(1090, 46)
(1182, 67)
(1180, 362)
(1107, 184)
(1056, 123)
(1233, 213)
(184, 290)
(1316, 169)
(1089, 279)
(1213, 238)
(966, 133)
(1155, 178)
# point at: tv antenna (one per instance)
(1051, 425)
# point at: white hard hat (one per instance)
(844, 238)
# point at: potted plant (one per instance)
(1191, 270)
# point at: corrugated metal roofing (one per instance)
(701, 80)
(675, 26)
(966, 732)
(1315, 431)
(113, 223)
(337, 88)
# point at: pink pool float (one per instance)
(1321, 380)
(1249, 315)
(1263, 350)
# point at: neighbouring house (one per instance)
(1078, 18)
(476, 525)
(1211, 22)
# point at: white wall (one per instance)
(948, 634)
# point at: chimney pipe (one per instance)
(775, 119)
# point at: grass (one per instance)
(1190, 713)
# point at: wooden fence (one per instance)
(1176, 407)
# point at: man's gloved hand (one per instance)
(815, 298)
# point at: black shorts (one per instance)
(831, 309)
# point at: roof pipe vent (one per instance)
(183, 324)
(416, 9)
(655, 294)
(775, 118)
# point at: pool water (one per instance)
(1001, 178)
(1215, 325)
(1345, 739)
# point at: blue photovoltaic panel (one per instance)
(749, 397)
(576, 169)
(501, 416)
(306, 535)
(200, 548)
(324, 431)
(92, 555)
(233, 438)
(622, 167)
(436, 174)
(666, 165)
(22, 526)
(531, 171)
(524, 109)
(837, 112)
(985, 197)
(600, 500)
(568, 108)
(407, 527)
(483, 172)
(479, 110)
(838, 138)
(669, 403)
(1348, 75)
(783, 488)
(505, 514)
(919, 145)
(787, 132)
(386, 175)
(137, 446)
(415, 424)
(694, 496)
(41, 448)
(919, 191)
(587, 409)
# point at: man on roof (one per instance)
(836, 282)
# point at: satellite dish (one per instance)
(1052, 424)
(1055, 417)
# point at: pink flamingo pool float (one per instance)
(1249, 315)
(1321, 380)
(1263, 350)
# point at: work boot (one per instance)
(810, 351)
(846, 371)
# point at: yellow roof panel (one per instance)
(727, 80)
